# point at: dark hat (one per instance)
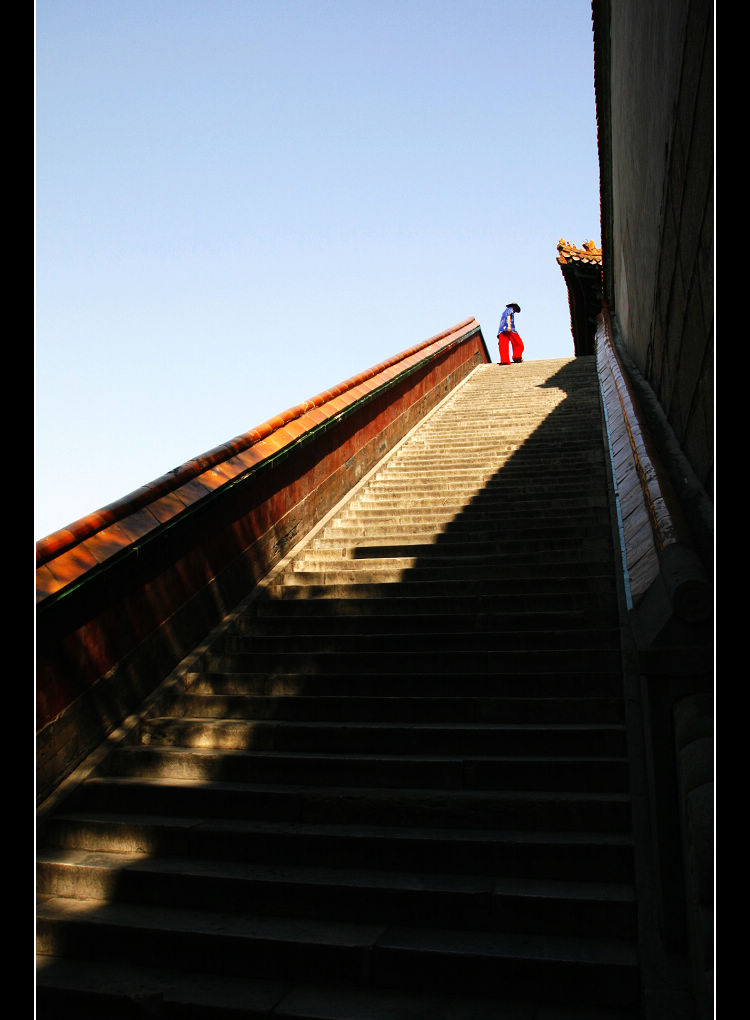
(514, 306)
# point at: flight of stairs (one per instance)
(397, 786)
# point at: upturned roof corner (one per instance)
(588, 253)
(582, 272)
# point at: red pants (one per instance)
(503, 339)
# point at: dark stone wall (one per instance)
(655, 97)
(655, 108)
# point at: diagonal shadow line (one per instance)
(481, 530)
(540, 474)
(503, 539)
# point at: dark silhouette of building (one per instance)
(654, 340)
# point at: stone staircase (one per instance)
(395, 783)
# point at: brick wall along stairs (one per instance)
(397, 786)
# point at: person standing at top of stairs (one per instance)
(506, 335)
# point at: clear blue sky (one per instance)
(240, 203)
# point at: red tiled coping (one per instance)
(69, 553)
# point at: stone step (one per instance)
(591, 525)
(488, 476)
(437, 524)
(415, 683)
(521, 660)
(495, 470)
(476, 430)
(539, 854)
(597, 971)
(460, 708)
(536, 513)
(528, 421)
(450, 462)
(493, 455)
(480, 637)
(205, 751)
(463, 531)
(350, 805)
(70, 989)
(351, 539)
(447, 548)
(495, 488)
(466, 515)
(404, 569)
(287, 619)
(300, 890)
(503, 571)
(544, 512)
(517, 610)
(75, 990)
(388, 737)
(477, 442)
(541, 514)
(540, 504)
(440, 584)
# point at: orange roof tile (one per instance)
(588, 253)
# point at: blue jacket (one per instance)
(507, 321)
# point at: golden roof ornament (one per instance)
(588, 253)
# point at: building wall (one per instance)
(657, 207)
(655, 97)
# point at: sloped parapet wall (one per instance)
(125, 593)
(668, 589)
(670, 613)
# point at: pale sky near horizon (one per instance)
(241, 203)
